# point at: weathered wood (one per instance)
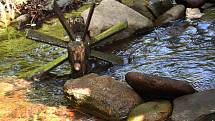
(106, 57)
(77, 58)
(88, 21)
(63, 21)
(112, 30)
(44, 69)
(37, 36)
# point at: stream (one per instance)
(183, 50)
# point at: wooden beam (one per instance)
(45, 68)
(37, 36)
(106, 57)
(88, 21)
(111, 31)
(63, 21)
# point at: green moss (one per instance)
(78, 11)
(129, 3)
(20, 55)
(209, 14)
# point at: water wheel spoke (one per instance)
(37, 36)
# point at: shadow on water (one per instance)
(181, 50)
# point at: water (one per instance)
(183, 50)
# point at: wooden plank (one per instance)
(111, 31)
(63, 21)
(45, 68)
(107, 57)
(37, 36)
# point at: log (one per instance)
(111, 31)
(38, 72)
(147, 85)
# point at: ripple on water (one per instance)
(182, 50)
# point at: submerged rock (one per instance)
(174, 13)
(110, 12)
(158, 110)
(157, 87)
(191, 107)
(101, 96)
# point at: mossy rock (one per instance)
(209, 14)
(158, 110)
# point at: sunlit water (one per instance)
(183, 50)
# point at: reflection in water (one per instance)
(182, 50)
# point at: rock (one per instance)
(191, 3)
(174, 13)
(193, 13)
(101, 96)
(110, 12)
(61, 3)
(157, 87)
(149, 8)
(190, 107)
(158, 110)
(207, 117)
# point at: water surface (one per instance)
(183, 50)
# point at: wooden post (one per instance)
(77, 58)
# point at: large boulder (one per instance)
(101, 96)
(149, 8)
(174, 13)
(158, 110)
(110, 12)
(190, 107)
(154, 86)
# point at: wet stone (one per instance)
(157, 110)
(101, 96)
(153, 86)
(193, 106)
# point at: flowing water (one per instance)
(183, 50)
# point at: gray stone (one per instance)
(61, 3)
(158, 110)
(149, 8)
(110, 12)
(101, 96)
(190, 107)
(174, 13)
